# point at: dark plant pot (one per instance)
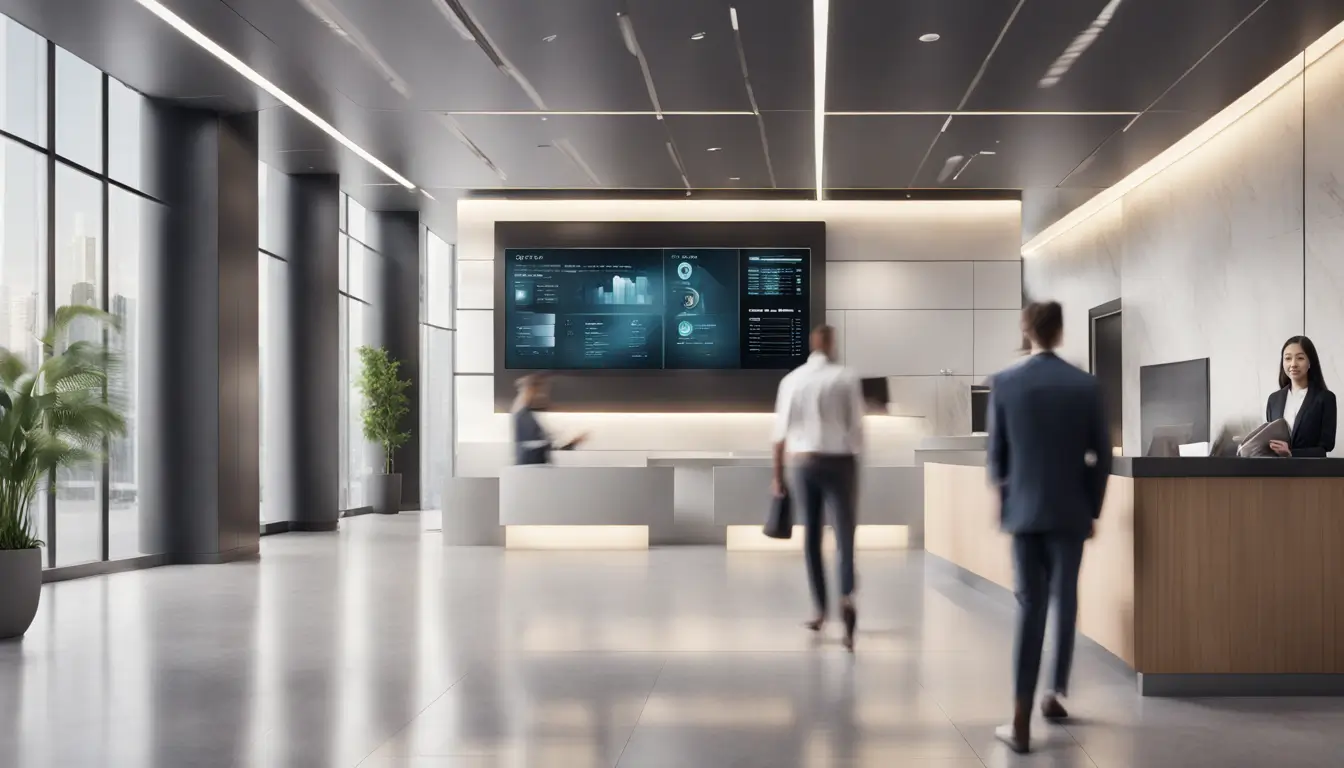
(385, 494)
(21, 575)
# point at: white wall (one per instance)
(915, 288)
(1224, 254)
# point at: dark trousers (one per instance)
(822, 481)
(1046, 566)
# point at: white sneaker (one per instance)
(1008, 735)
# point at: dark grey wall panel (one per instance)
(314, 204)
(201, 481)
(399, 304)
(239, 351)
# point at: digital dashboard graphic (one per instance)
(656, 308)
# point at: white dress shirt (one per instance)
(820, 409)
(1293, 404)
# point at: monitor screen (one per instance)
(656, 308)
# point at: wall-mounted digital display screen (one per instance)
(656, 308)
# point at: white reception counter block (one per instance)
(543, 506)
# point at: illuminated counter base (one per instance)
(891, 508)
(1207, 577)
(549, 507)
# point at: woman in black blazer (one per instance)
(1304, 400)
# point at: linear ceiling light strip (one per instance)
(1192, 141)
(198, 37)
(821, 20)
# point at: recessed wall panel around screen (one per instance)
(655, 316)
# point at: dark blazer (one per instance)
(531, 444)
(1314, 428)
(1045, 420)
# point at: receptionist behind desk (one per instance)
(1303, 401)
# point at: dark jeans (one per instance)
(821, 481)
(1046, 566)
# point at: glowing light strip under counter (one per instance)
(576, 537)
(1193, 140)
(749, 538)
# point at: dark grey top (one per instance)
(531, 444)
(1049, 446)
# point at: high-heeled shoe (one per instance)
(851, 618)
(816, 624)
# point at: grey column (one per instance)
(399, 307)
(201, 486)
(314, 281)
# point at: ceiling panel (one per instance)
(738, 152)
(876, 61)
(1029, 151)
(1267, 41)
(876, 151)
(792, 149)
(1125, 151)
(585, 67)
(777, 39)
(621, 150)
(691, 74)
(1143, 49)
(326, 54)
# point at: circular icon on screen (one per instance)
(684, 270)
(684, 328)
(690, 298)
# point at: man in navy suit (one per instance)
(1050, 456)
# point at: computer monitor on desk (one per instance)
(1168, 439)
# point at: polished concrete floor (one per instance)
(378, 648)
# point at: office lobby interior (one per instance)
(251, 204)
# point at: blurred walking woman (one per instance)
(531, 443)
(1303, 401)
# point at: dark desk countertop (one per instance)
(1153, 466)
(1219, 466)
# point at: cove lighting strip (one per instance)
(750, 538)
(821, 20)
(576, 537)
(216, 50)
(1192, 141)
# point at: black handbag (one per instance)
(779, 525)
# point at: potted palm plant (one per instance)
(55, 415)
(385, 404)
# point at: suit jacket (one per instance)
(1314, 428)
(531, 444)
(1046, 423)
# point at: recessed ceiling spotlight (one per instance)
(988, 152)
(734, 178)
(931, 37)
(544, 119)
(698, 36)
(714, 149)
(548, 39)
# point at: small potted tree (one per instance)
(385, 405)
(55, 416)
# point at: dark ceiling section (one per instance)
(871, 151)
(1031, 150)
(401, 80)
(1141, 48)
(877, 63)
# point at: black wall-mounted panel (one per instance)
(655, 391)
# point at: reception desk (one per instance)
(1207, 576)
(548, 507)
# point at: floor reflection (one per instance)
(378, 648)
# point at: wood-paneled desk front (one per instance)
(1207, 576)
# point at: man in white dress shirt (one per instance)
(819, 428)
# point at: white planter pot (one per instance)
(21, 577)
